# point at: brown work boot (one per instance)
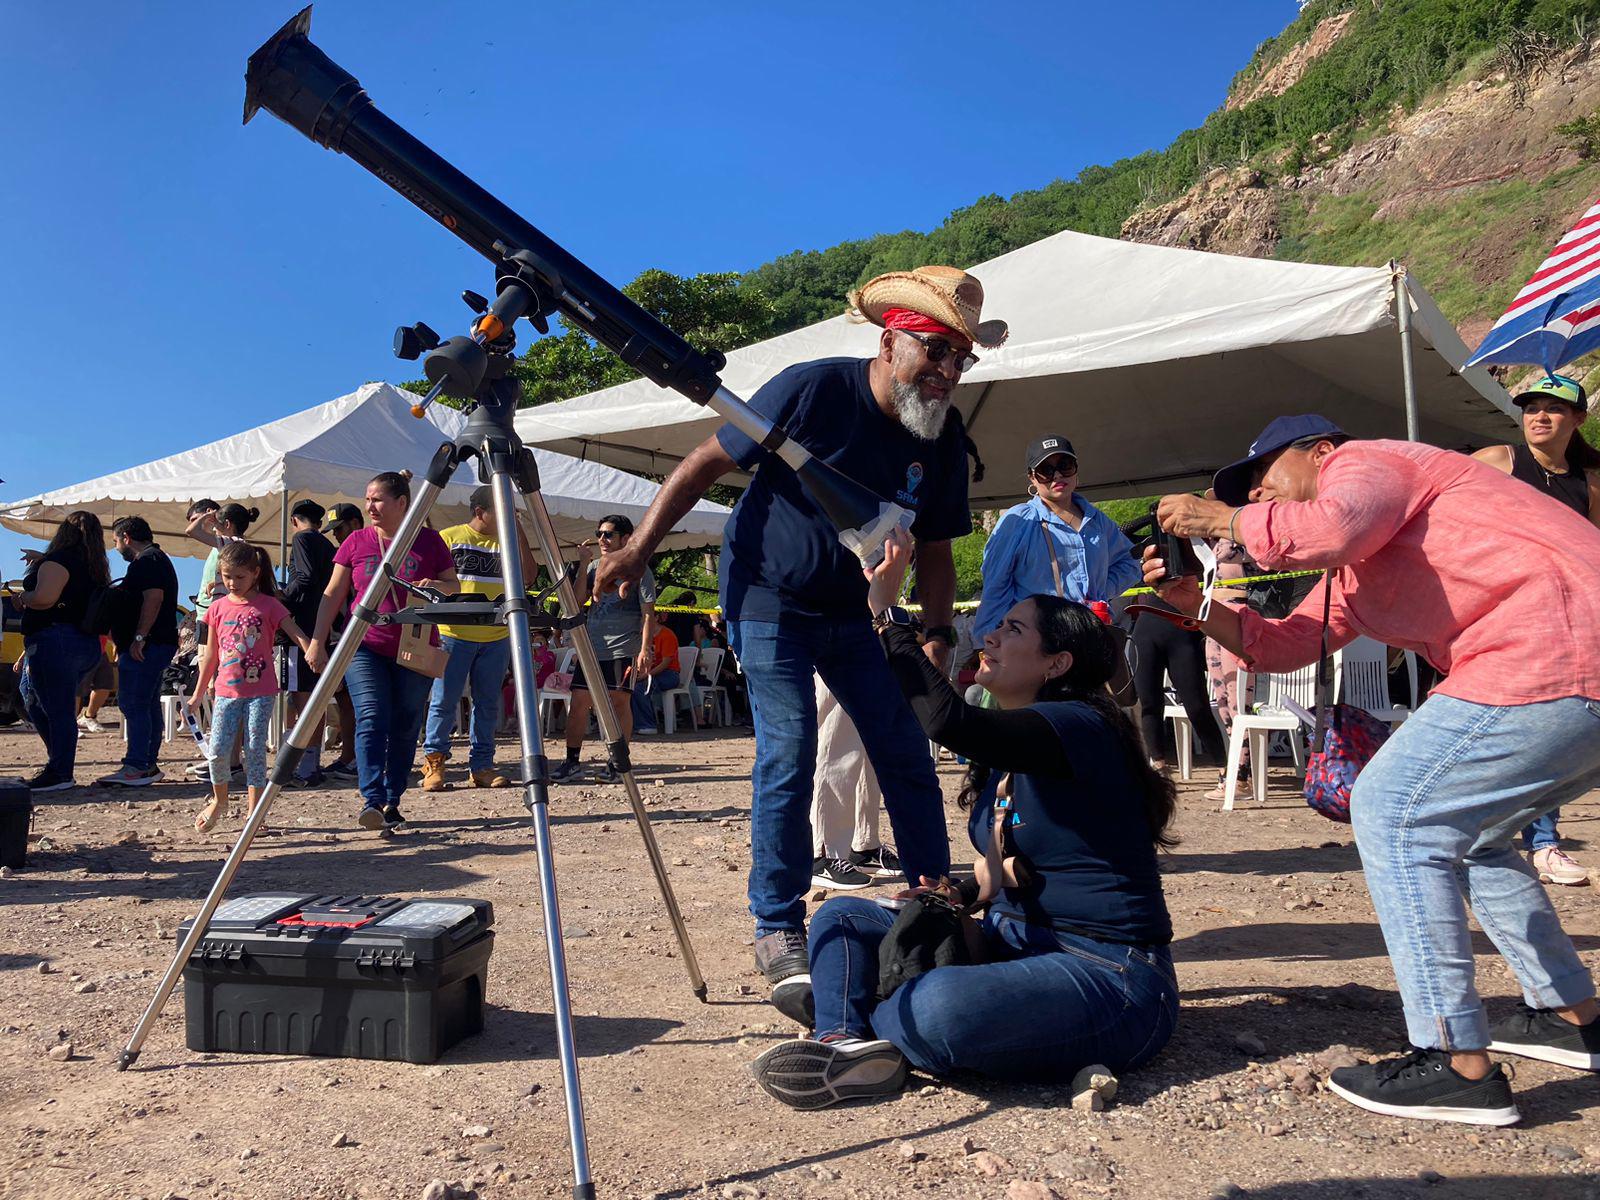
(433, 772)
(490, 778)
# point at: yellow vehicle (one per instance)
(10, 651)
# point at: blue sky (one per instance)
(172, 277)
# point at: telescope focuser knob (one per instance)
(412, 341)
(475, 302)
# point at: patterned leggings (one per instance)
(1222, 668)
(227, 715)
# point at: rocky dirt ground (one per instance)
(1281, 964)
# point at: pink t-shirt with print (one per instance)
(428, 558)
(243, 631)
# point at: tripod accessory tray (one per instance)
(343, 976)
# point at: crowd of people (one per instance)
(1069, 805)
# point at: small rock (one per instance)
(1303, 1082)
(476, 1131)
(1030, 1189)
(1097, 1081)
(968, 1146)
(6, 872)
(823, 1175)
(910, 1153)
(83, 989)
(1088, 1100)
(1562, 1153)
(340, 1141)
(1228, 1190)
(1429, 1176)
(438, 1189)
(46, 969)
(741, 1191)
(819, 895)
(1248, 1043)
(1275, 1130)
(1335, 1057)
(247, 1154)
(988, 1164)
(60, 1052)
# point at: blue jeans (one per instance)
(139, 698)
(1046, 1005)
(482, 665)
(779, 658)
(58, 657)
(229, 716)
(1435, 814)
(1541, 833)
(390, 702)
(644, 705)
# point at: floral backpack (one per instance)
(1343, 740)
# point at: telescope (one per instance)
(296, 82)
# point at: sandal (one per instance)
(206, 820)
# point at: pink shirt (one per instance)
(243, 631)
(1493, 582)
(428, 558)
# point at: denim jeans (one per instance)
(482, 666)
(779, 658)
(390, 702)
(1541, 832)
(1435, 814)
(139, 698)
(644, 705)
(58, 657)
(1046, 1005)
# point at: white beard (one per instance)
(921, 418)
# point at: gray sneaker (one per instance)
(782, 956)
(566, 771)
(806, 1074)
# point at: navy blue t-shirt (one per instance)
(781, 554)
(1094, 865)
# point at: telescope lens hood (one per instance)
(302, 86)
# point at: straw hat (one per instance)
(949, 296)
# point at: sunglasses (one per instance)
(1064, 468)
(607, 533)
(938, 349)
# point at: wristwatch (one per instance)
(140, 637)
(895, 615)
(945, 633)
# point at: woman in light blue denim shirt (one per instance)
(1056, 543)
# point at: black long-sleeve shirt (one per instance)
(1077, 813)
(310, 568)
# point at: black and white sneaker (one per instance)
(607, 774)
(806, 1074)
(837, 875)
(49, 781)
(308, 781)
(342, 770)
(1422, 1084)
(392, 820)
(783, 957)
(882, 863)
(1540, 1033)
(566, 771)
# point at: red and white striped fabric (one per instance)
(1555, 318)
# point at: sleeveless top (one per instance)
(1571, 489)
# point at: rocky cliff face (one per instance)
(1285, 72)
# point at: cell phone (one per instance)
(893, 903)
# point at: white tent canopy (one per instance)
(1159, 364)
(328, 453)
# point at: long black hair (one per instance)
(1070, 626)
(81, 531)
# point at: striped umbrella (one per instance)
(1555, 318)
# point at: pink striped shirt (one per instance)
(1493, 582)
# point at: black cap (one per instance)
(348, 513)
(1042, 448)
(1232, 483)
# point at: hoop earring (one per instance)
(1032, 490)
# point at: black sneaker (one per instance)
(49, 781)
(342, 770)
(392, 820)
(566, 771)
(607, 774)
(309, 781)
(371, 817)
(882, 863)
(807, 1074)
(1539, 1033)
(837, 875)
(782, 956)
(1421, 1083)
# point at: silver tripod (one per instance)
(508, 467)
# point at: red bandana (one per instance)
(915, 322)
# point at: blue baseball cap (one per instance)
(1232, 483)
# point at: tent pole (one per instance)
(283, 540)
(1402, 311)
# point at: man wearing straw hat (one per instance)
(795, 598)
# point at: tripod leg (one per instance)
(289, 756)
(611, 730)
(536, 776)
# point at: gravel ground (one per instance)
(1281, 963)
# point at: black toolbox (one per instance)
(16, 812)
(345, 976)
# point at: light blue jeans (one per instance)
(228, 715)
(1436, 813)
(1543, 832)
(482, 666)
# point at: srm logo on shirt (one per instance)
(908, 494)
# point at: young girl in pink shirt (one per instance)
(238, 656)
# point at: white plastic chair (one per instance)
(1361, 680)
(718, 696)
(1183, 734)
(687, 656)
(548, 699)
(1271, 692)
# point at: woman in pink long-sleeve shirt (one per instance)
(1499, 588)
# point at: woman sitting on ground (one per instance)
(1076, 968)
